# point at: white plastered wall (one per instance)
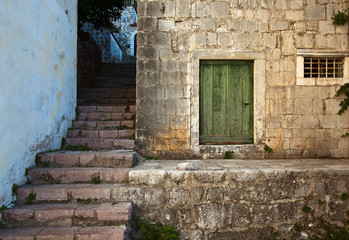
(37, 82)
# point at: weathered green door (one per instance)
(226, 102)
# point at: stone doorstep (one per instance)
(63, 233)
(66, 192)
(72, 214)
(78, 175)
(107, 133)
(114, 158)
(102, 143)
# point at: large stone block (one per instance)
(155, 9)
(212, 216)
(315, 12)
(182, 8)
(219, 10)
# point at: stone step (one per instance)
(63, 233)
(69, 214)
(107, 133)
(105, 116)
(94, 175)
(106, 101)
(64, 193)
(98, 144)
(111, 91)
(102, 124)
(107, 109)
(105, 95)
(114, 158)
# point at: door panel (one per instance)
(226, 102)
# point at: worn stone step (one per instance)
(108, 90)
(106, 95)
(63, 233)
(102, 116)
(98, 143)
(78, 175)
(103, 124)
(108, 109)
(68, 214)
(114, 158)
(106, 101)
(55, 193)
(107, 133)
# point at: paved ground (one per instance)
(251, 165)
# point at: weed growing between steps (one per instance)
(149, 157)
(157, 231)
(79, 147)
(122, 127)
(228, 154)
(315, 227)
(38, 161)
(96, 180)
(14, 189)
(30, 199)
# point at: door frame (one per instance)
(258, 98)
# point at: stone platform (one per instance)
(239, 199)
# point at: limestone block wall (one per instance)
(236, 204)
(37, 82)
(128, 26)
(110, 50)
(295, 116)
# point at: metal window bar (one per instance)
(323, 67)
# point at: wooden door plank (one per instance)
(219, 99)
(206, 73)
(235, 99)
(247, 88)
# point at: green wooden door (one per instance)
(226, 102)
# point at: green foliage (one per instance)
(118, 224)
(127, 109)
(344, 196)
(321, 202)
(14, 189)
(89, 200)
(268, 149)
(80, 133)
(31, 197)
(345, 102)
(306, 209)
(157, 231)
(297, 227)
(26, 172)
(38, 161)
(62, 142)
(149, 157)
(77, 111)
(122, 127)
(228, 154)
(3, 207)
(340, 18)
(79, 147)
(101, 14)
(3, 225)
(96, 180)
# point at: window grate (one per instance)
(323, 67)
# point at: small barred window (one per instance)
(323, 67)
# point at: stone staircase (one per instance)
(117, 75)
(72, 193)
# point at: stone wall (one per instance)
(237, 203)
(38, 82)
(297, 118)
(110, 50)
(128, 27)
